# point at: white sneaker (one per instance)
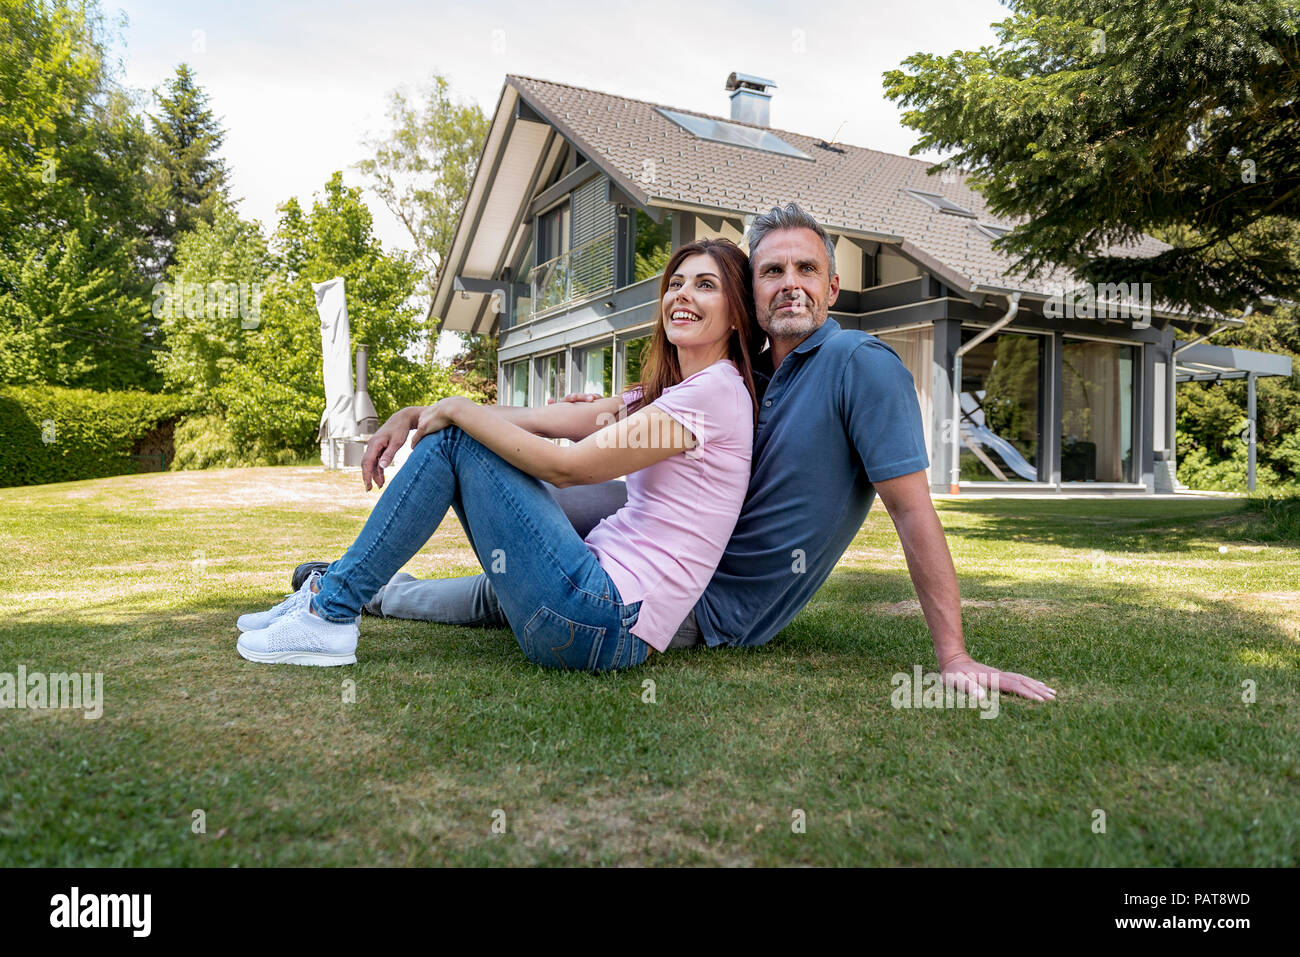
(257, 620)
(298, 637)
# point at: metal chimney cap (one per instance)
(747, 81)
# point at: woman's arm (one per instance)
(627, 445)
(564, 420)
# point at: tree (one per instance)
(423, 172)
(274, 395)
(1095, 122)
(211, 303)
(1212, 416)
(73, 305)
(191, 178)
(424, 169)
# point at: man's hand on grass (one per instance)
(968, 675)
(383, 445)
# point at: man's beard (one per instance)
(792, 327)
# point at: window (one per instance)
(553, 233)
(575, 249)
(522, 306)
(733, 134)
(653, 245)
(1096, 412)
(517, 383)
(632, 355)
(993, 231)
(916, 348)
(935, 201)
(598, 369)
(1001, 383)
(551, 373)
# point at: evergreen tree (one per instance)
(1094, 121)
(191, 177)
(73, 206)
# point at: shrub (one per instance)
(1279, 515)
(206, 442)
(52, 434)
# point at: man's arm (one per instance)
(907, 498)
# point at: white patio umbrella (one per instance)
(338, 420)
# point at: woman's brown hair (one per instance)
(660, 368)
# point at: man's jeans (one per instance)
(473, 601)
(547, 585)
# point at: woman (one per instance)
(683, 437)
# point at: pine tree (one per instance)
(191, 177)
(1093, 122)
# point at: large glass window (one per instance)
(652, 245)
(553, 233)
(517, 383)
(522, 306)
(633, 353)
(554, 385)
(1096, 412)
(916, 348)
(1001, 381)
(598, 369)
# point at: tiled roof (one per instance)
(850, 188)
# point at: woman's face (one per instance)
(694, 307)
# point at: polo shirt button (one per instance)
(768, 402)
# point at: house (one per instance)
(579, 196)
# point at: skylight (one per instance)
(935, 201)
(733, 134)
(992, 231)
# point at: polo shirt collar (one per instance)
(820, 335)
(763, 361)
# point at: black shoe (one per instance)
(306, 568)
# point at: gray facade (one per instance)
(580, 194)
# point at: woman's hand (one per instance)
(438, 416)
(384, 445)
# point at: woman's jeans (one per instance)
(562, 606)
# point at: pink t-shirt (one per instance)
(662, 547)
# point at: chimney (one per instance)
(362, 408)
(751, 98)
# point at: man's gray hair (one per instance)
(790, 216)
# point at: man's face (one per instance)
(793, 287)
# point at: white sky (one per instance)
(298, 84)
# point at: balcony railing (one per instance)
(582, 272)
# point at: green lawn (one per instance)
(1128, 609)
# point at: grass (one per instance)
(1128, 608)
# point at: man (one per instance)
(838, 424)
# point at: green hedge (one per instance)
(52, 434)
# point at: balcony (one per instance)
(580, 273)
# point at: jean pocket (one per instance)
(631, 612)
(553, 641)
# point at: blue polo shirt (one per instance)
(839, 413)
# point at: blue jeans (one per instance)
(561, 605)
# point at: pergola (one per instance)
(1202, 362)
